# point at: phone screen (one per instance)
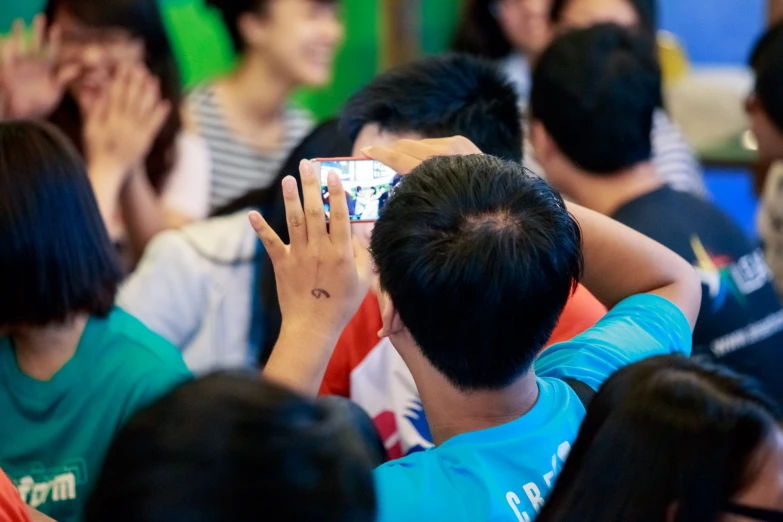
(368, 185)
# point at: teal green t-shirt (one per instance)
(54, 435)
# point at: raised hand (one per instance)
(32, 78)
(322, 278)
(405, 155)
(122, 126)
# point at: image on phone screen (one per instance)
(368, 185)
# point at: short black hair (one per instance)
(56, 258)
(596, 91)
(766, 59)
(479, 256)
(231, 446)
(442, 96)
(231, 10)
(646, 11)
(479, 32)
(661, 432)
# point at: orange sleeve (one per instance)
(357, 340)
(12, 508)
(581, 312)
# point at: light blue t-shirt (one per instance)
(505, 473)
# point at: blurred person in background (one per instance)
(517, 31)
(247, 118)
(209, 288)
(73, 367)
(104, 73)
(593, 102)
(233, 447)
(670, 440)
(765, 109)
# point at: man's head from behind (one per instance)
(765, 104)
(594, 95)
(476, 259)
(436, 98)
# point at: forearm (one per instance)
(620, 262)
(142, 212)
(300, 357)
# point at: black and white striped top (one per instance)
(237, 166)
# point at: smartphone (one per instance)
(368, 185)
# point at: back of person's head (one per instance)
(644, 13)
(325, 141)
(767, 62)
(479, 257)
(143, 22)
(439, 97)
(665, 439)
(595, 91)
(232, 447)
(56, 259)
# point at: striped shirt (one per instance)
(237, 166)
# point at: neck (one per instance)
(451, 411)
(42, 351)
(606, 194)
(258, 89)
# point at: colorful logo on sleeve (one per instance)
(723, 276)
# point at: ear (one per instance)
(392, 323)
(544, 148)
(252, 27)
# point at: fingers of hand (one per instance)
(137, 81)
(294, 214)
(339, 219)
(313, 203)
(272, 242)
(53, 45)
(364, 263)
(398, 161)
(455, 145)
(16, 42)
(39, 35)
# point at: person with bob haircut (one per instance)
(231, 446)
(604, 80)
(105, 74)
(73, 368)
(247, 117)
(671, 440)
(473, 260)
(516, 32)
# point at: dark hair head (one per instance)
(142, 19)
(325, 141)
(479, 256)
(479, 32)
(646, 12)
(233, 447)
(767, 62)
(439, 97)
(231, 11)
(661, 432)
(596, 90)
(55, 255)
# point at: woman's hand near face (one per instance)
(122, 126)
(32, 79)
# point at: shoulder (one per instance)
(150, 350)
(406, 488)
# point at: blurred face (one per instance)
(585, 13)
(98, 52)
(768, 136)
(525, 23)
(299, 38)
(766, 491)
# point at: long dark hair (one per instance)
(665, 431)
(143, 20)
(56, 259)
(326, 140)
(479, 32)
